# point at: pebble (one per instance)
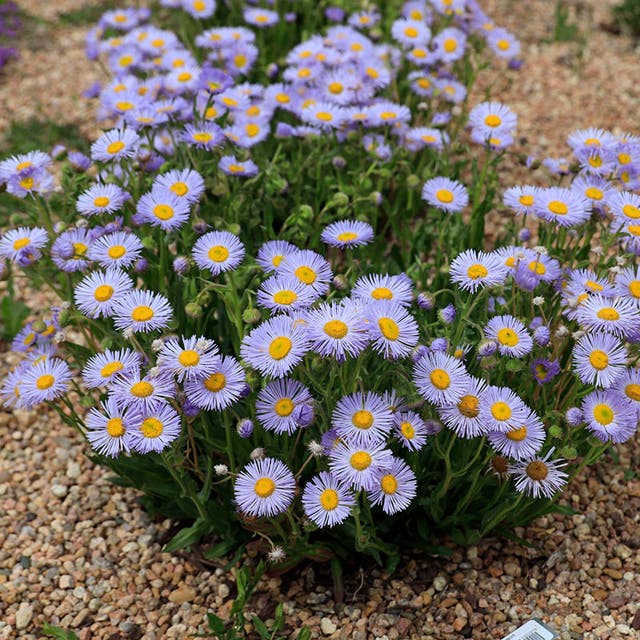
(439, 583)
(327, 626)
(184, 594)
(24, 615)
(59, 490)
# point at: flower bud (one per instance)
(413, 181)
(193, 310)
(251, 316)
(87, 401)
(245, 428)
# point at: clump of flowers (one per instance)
(276, 300)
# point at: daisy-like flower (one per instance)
(627, 284)
(119, 249)
(272, 253)
(324, 115)
(609, 415)
(564, 207)
(109, 429)
(394, 488)
(234, 167)
(520, 443)
(491, 119)
(544, 370)
(96, 293)
(619, 316)
(501, 409)
(410, 32)
(69, 251)
(10, 391)
(277, 402)
(265, 487)
(538, 477)
(155, 429)
(450, 44)
(589, 138)
(385, 112)
(164, 209)
(219, 390)
(17, 242)
(204, 135)
(358, 466)
(440, 379)
(399, 288)
(362, 419)
(140, 310)
(102, 368)
(19, 164)
(347, 233)
(45, 380)
(595, 188)
(259, 17)
(285, 293)
(446, 194)
(503, 43)
(101, 198)
(276, 346)
(115, 144)
(599, 359)
(420, 137)
(510, 334)
(187, 184)
(310, 268)
(629, 386)
(199, 9)
(521, 198)
(325, 501)
(473, 269)
(337, 329)
(143, 392)
(218, 251)
(463, 417)
(625, 206)
(410, 430)
(392, 329)
(189, 358)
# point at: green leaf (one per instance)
(305, 634)
(187, 536)
(216, 624)
(57, 632)
(261, 627)
(14, 312)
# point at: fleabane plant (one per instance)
(279, 317)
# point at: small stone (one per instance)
(439, 583)
(614, 563)
(448, 602)
(512, 569)
(66, 582)
(327, 626)
(635, 623)
(616, 574)
(24, 615)
(223, 590)
(459, 624)
(615, 600)
(59, 490)
(599, 594)
(73, 469)
(184, 594)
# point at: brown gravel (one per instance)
(79, 552)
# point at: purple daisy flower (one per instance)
(155, 429)
(501, 409)
(522, 442)
(186, 183)
(446, 194)
(440, 379)
(358, 466)
(538, 477)
(599, 359)
(164, 209)
(219, 390)
(102, 368)
(394, 488)
(392, 329)
(115, 144)
(472, 270)
(463, 417)
(399, 288)
(189, 358)
(16, 242)
(410, 430)
(362, 419)
(347, 234)
(101, 198)
(277, 402)
(233, 167)
(140, 310)
(284, 293)
(510, 335)
(218, 251)
(96, 293)
(327, 502)
(609, 415)
(109, 429)
(119, 249)
(264, 487)
(46, 380)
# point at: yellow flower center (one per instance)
(284, 407)
(253, 110)
(264, 487)
(593, 193)
(189, 358)
(142, 313)
(199, 5)
(163, 212)
(79, 249)
(526, 200)
(215, 382)
(142, 389)
(125, 61)
(440, 379)
(276, 260)
(109, 369)
(26, 183)
(493, 120)
(469, 406)
(24, 165)
(362, 419)
(476, 271)
(388, 484)
(115, 147)
(218, 253)
(103, 293)
(630, 211)
(411, 32)
(593, 286)
(252, 129)
(236, 168)
(407, 430)
(101, 201)
(382, 293)
(45, 381)
(508, 337)
(151, 428)
(389, 328)
(335, 87)
(29, 338)
(115, 428)
(603, 413)
(21, 243)
(537, 470)
(517, 435)
(537, 267)
(608, 313)
(503, 44)
(325, 116)
(336, 329)
(592, 142)
(124, 105)
(595, 161)
(329, 499)
(501, 411)
(450, 45)
(202, 136)
(280, 347)
(599, 359)
(360, 460)
(347, 236)
(285, 297)
(116, 251)
(305, 274)
(559, 208)
(185, 76)
(634, 229)
(632, 391)
(634, 288)
(283, 98)
(444, 195)
(179, 188)
(388, 115)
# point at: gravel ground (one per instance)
(79, 552)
